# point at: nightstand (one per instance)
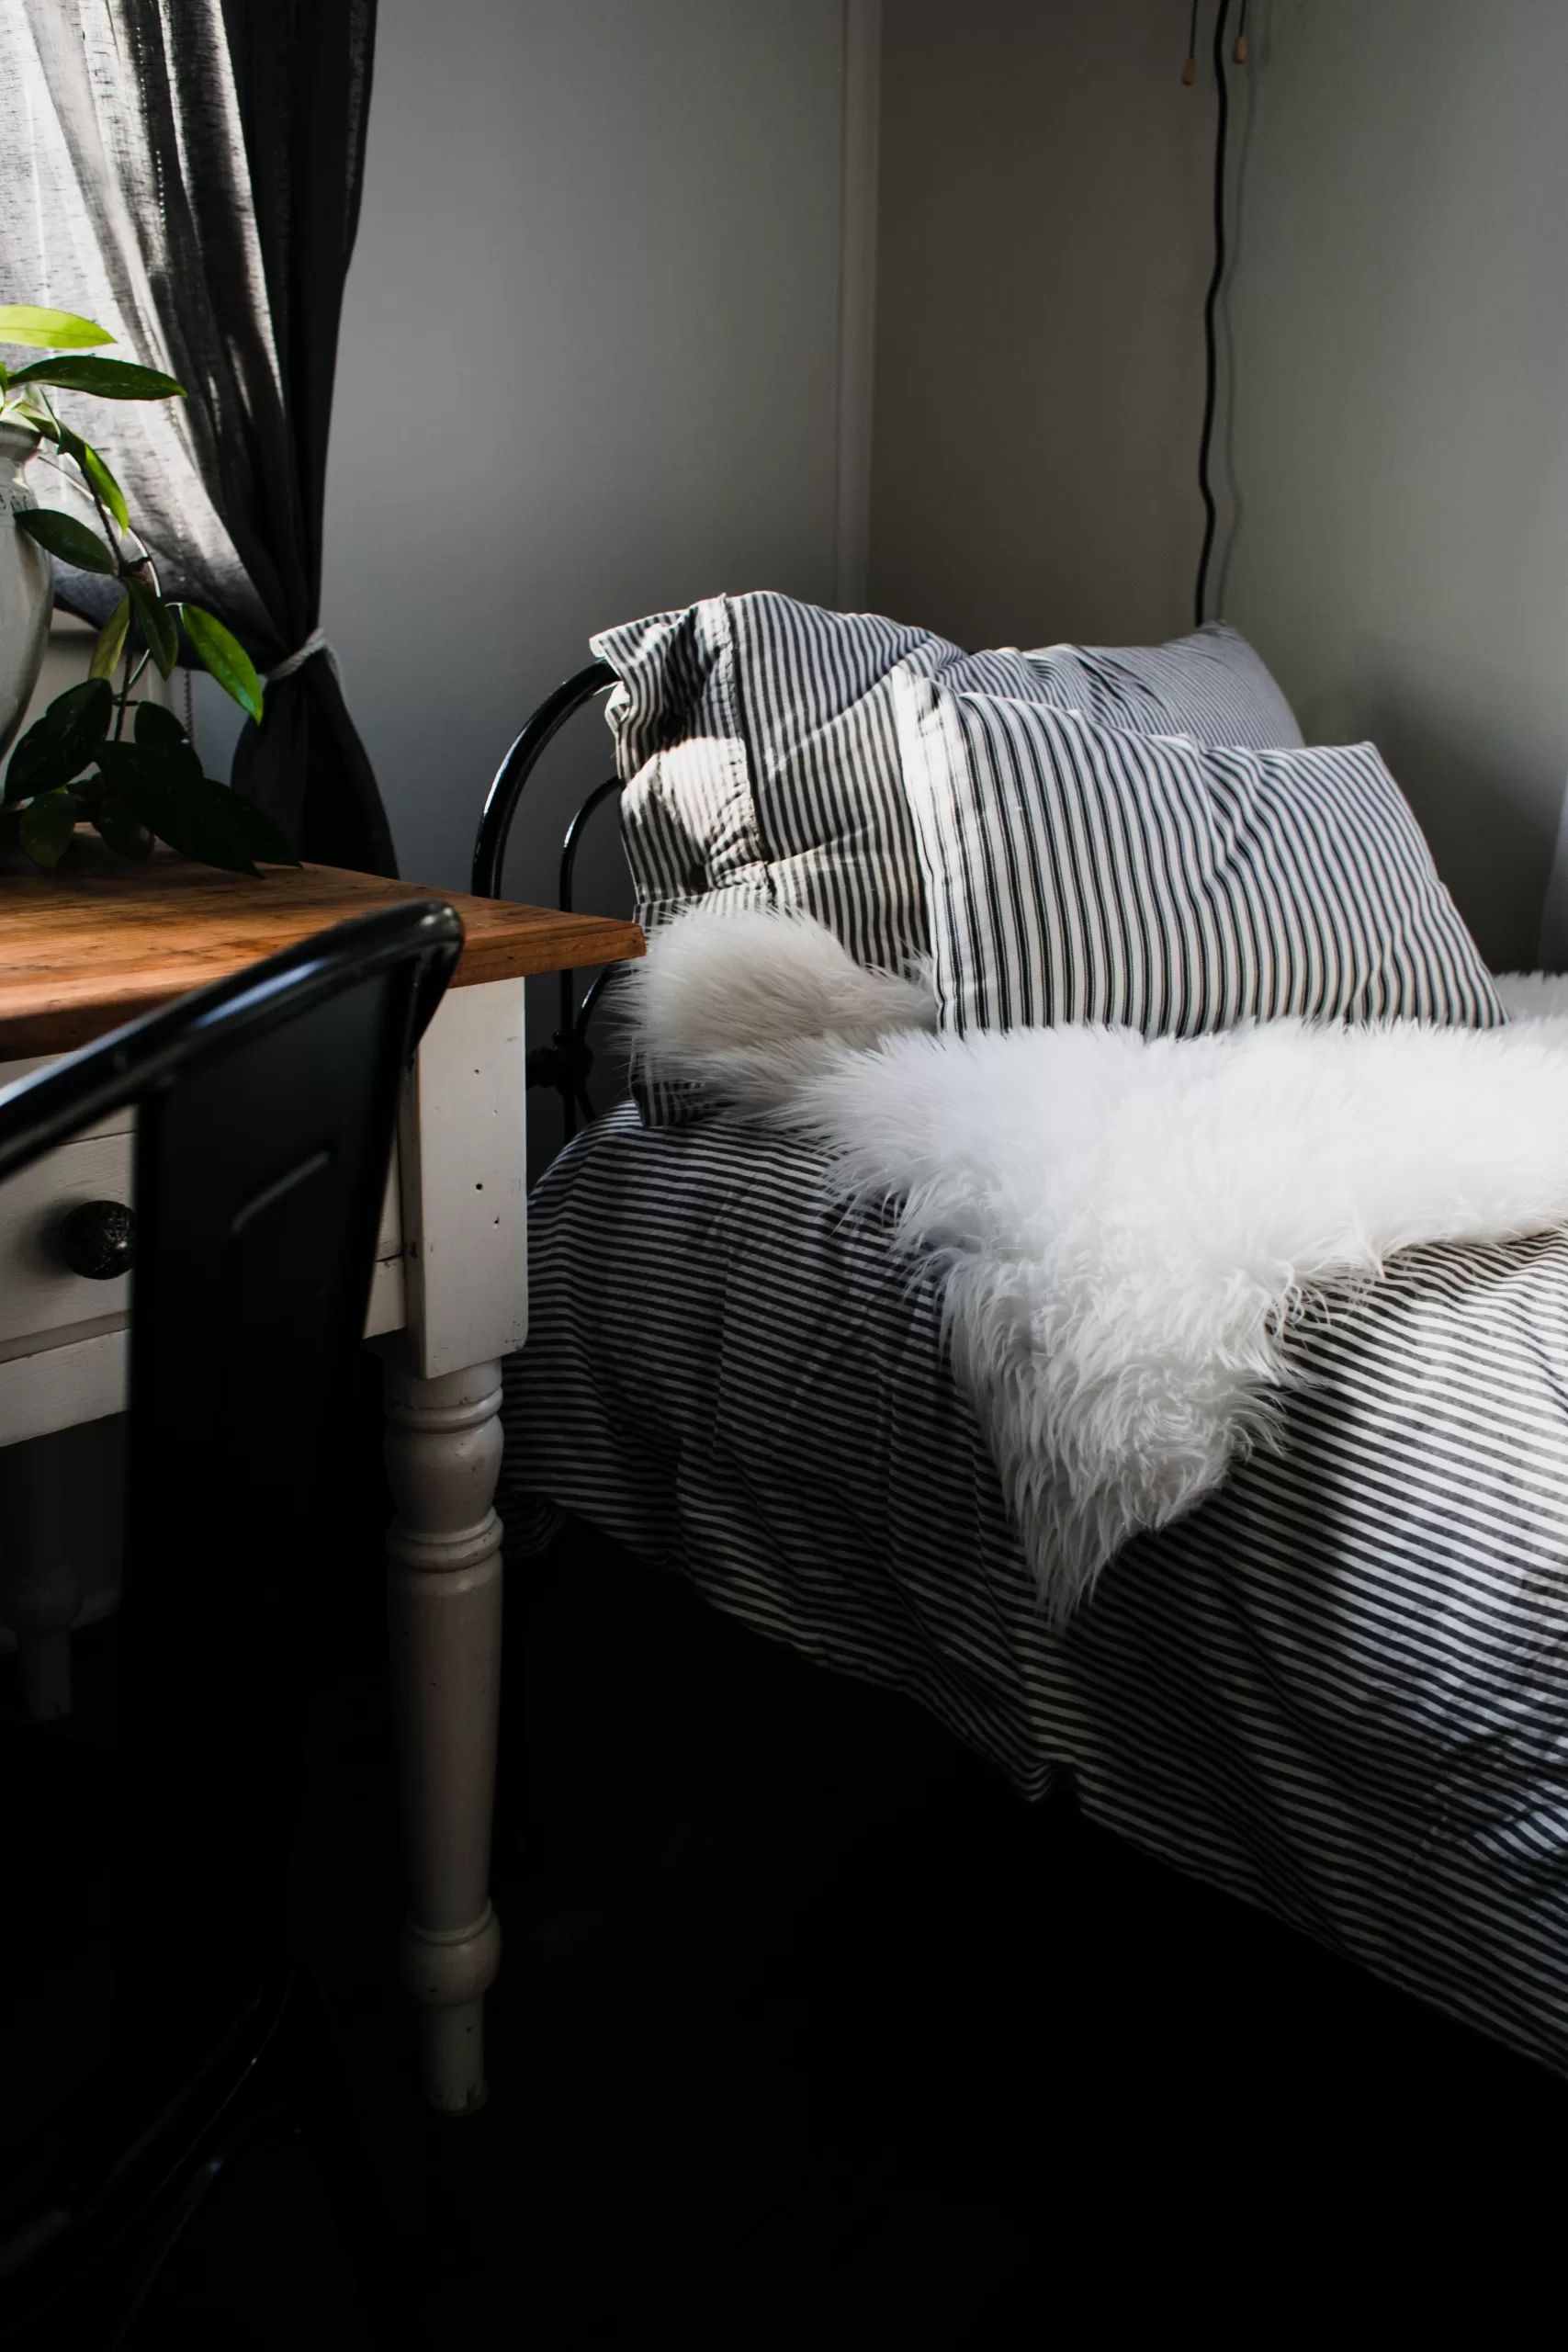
(88, 950)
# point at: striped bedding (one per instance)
(1339, 1690)
(1076, 873)
(756, 740)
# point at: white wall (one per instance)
(1399, 312)
(594, 364)
(1037, 348)
(590, 360)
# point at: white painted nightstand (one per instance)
(82, 955)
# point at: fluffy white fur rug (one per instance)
(1126, 1227)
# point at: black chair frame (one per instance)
(267, 1109)
(566, 1062)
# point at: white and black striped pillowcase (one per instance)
(1210, 685)
(758, 743)
(757, 739)
(1076, 873)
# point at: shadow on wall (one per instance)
(1460, 740)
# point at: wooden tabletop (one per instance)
(81, 952)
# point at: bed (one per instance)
(1337, 1690)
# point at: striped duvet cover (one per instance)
(1339, 1689)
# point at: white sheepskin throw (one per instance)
(1125, 1226)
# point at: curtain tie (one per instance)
(315, 643)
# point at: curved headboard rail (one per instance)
(500, 803)
(565, 1063)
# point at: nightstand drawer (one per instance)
(39, 1292)
(42, 1300)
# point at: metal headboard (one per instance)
(567, 1061)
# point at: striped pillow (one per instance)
(1210, 685)
(757, 741)
(755, 738)
(1080, 873)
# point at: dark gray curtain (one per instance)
(188, 175)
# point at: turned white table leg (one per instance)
(42, 1589)
(444, 1444)
(461, 1174)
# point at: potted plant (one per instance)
(99, 756)
(26, 585)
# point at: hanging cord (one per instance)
(1190, 71)
(1210, 305)
(1239, 51)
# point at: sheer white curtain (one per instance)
(83, 227)
(187, 174)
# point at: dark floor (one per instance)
(809, 2035)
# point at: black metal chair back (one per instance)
(566, 1062)
(265, 1117)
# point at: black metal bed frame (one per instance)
(566, 1062)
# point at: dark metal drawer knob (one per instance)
(99, 1239)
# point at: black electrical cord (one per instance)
(1210, 304)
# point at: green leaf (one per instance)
(163, 748)
(103, 482)
(24, 323)
(88, 790)
(157, 624)
(46, 826)
(160, 736)
(110, 642)
(64, 537)
(30, 412)
(203, 819)
(194, 815)
(264, 839)
(220, 654)
(117, 761)
(111, 380)
(118, 826)
(59, 745)
(95, 472)
(83, 713)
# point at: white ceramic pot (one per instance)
(27, 587)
